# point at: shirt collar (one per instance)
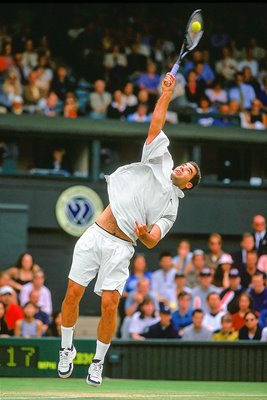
(178, 192)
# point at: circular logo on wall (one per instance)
(77, 208)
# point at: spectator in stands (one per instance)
(212, 319)
(258, 291)
(143, 98)
(204, 106)
(6, 59)
(141, 114)
(99, 100)
(262, 93)
(244, 303)
(249, 61)
(45, 302)
(138, 271)
(221, 275)
(200, 292)
(158, 56)
(182, 317)
(194, 89)
(230, 295)
(264, 335)
(199, 69)
(226, 67)
(3, 325)
(150, 80)
(215, 251)
(32, 93)
(196, 331)
(258, 52)
(143, 319)
(234, 107)
(249, 79)
(70, 108)
(242, 93)
(163, 282)
(13, 311)
(29, 56)
(206, 73)
(50, 106)
(251, 330)
(29, 326)
(216, 94)
(227, 331)
(54, 328)
(183, 256)
(193, 270)
(20, 69)
(256, 118)
(240, 257)
(21, 273)
(12, 87)
(181, 284)
(262, 263)
(34, 298)
(115, 63)
(223, 119)
(137, 62)
(129, 96)
(163, 329)
(250, 270)
(260, 234)
(45, 73)
(61, 83)
(136, 297)
(118, 107)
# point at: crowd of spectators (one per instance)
(114, 72)
(190, 295)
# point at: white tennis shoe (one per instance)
(65, 365)
(94, 377)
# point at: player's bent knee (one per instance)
(110, 300)
(74, 293)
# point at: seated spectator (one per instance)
(129, 96)
(20, 69)
(215, 251)
(221, 275)
(242, 93)
(249, 61)
(50, 106)
(136, 297)
(70, 108)
(163, 282)
(249, 79)
(54, 328)
(207, 73)
(262, 263)
(193, 270)
(227, 331)
(45, 73)
(207, 80)
(62, 83)
(6, 58)
(262, 94)
(200, 292)
(99, 100)
(205, 106)
(32, 93)
(13, 311)
(118, 107)
(234, 107)
(138, 271)
(212, 319)
(230, 295)
(28, 326)
(264, 335)
(149, 80)
(143, 98)
(141, 114)
(226, 67)
(12, 87)
(29, 56)
(258, 52)
(182, 317)
(115, 63)
(196, 331)
(251, 329)
(183, 258)
(163, 329)
(258, 292)
(224, 118)
(4, 332)
(181, 286)
(256, 118)
(240, 257)
(34, 298)
(216, 94)
(21, 273)
(194, 89)
(136, 61)
(17, 105)
(143, 319)
(250, 269)
(45, 302)
(244, 303)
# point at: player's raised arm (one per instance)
(159, 114)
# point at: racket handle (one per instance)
(173, 71)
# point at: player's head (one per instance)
(186, 176)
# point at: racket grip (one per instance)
(173, 71)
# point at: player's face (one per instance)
(182, 174)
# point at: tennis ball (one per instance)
(196, 26)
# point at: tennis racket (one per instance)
(191, 40)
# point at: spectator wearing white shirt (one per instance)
(212, 319)
(163, 279)
(45, 299)
(143, 319)
(249, 61)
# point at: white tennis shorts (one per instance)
(99, 252)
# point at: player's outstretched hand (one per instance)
(168, 82)
(140, 229)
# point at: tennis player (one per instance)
(144, 198)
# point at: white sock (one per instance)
(67, 336)
(101, 350)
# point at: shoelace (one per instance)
(96, 370)
(64, 358)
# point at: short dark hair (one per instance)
(183, 294)
(164, 254)
(197, 310)
(197, 177)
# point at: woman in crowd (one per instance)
(54, 328)
(22, 272)
(245, 303)
(143, 319)
(251, 330)
(29, 326)
(139, 270)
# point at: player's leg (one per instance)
(106, 329)
(70, 312)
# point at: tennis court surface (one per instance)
(113, 389)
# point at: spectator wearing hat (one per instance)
(164, 329)
(258, 291)
(227, 331)
(212, 319)
(251, 330)
(221, 275)
(199, 293)
(183, 257)
(182, 317)
(230, 295)
(193, 269)
(239, 257)
(13, 311)
(196, 331)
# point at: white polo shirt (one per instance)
(143, 191)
